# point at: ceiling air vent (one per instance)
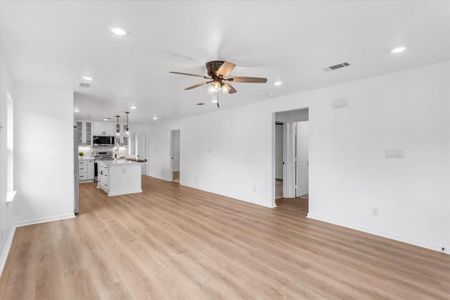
(84, 85)
(338, 66)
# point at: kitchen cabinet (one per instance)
(104, 129)
(91, 170)
(79, 125)
(103, 176)
(86, 170)
(84, 132)
(119, 177)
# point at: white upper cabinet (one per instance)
(84, 132)
(104, 128)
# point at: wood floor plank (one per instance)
(174, 242)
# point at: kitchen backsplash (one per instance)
(90, 151)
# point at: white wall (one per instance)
(298, 115)
(43, 171)
(230, 152)
(6, 210)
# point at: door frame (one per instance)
(273, 177)
(171, 152)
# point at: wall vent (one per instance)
(337, 67)
(84, 85)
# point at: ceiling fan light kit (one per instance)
(215, 87)
(218, 72)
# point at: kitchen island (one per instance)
(119, 177)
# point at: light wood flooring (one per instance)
(174, 242)
(278, 188)
(176, 176)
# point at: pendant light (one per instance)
(117, 127)
(127, 130)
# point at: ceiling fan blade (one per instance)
(227, 88)
(189, 74)
(196, 85)
(244, 79)
(225, 69)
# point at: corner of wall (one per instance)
(6, 249)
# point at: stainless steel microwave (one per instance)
(100, 140)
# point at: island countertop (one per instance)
(120, 162)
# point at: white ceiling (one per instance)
(57, 42)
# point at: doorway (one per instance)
(291, 157)
(175, 155)
(278, 160)
(137, 147)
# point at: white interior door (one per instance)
(289, 132)
(176, 150)
(302, 158)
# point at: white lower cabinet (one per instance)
(119, 177)
(86, 170)
(103, 176)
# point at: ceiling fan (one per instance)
(218, 71)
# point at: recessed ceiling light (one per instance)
(214, 101)
(87, 78)
(155, 118)
(399, 49)
(133, 107)
(76, 109)
(106, 119)
(277, 83)
(119, 31)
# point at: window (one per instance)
(10, 193)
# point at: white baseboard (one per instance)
(271, 205)
(45, 220)
(422, 244)
(6, 249)
(168, 179)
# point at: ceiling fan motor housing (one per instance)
(213, 66)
